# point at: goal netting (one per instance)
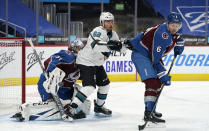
(12, 70)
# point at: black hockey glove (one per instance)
(127, 44)
(114, 45)
(107, 54)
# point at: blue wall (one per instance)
(78, 1)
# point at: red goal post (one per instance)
(12, 70)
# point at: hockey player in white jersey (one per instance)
(90, 62)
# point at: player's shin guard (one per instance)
(152, 89)
(102, 94)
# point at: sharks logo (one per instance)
(194, 16)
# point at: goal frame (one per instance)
(23, 66)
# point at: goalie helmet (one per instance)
(105, 16)
(174, 17)
(75, 46)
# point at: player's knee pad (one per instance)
(103, 82)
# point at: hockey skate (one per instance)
(152, 118)
(101, 110)
(18, 116)
(71, 112)
(79, 115)
(158, 114)
(153, 121)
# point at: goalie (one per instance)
(62, 74)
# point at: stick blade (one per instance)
(141, 127)
(150, 126)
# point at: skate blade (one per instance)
(102, 115)
(155, 125)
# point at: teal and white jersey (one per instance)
(92, 53)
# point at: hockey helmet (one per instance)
(75, 46)
(105, 16)
(174, 17)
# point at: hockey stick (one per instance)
(105, 43)
(100, 43)
(55, 97)
(141, 127)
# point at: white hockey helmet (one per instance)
(75, 46)
(105, 16)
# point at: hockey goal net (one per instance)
(12, 70)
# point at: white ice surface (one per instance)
(185, 107)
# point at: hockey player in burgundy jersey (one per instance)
(65, 61)
(60, 68)
(148, 49)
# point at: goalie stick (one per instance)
(57, 101)
(141, 127)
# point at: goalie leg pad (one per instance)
(86, 106)
(41, 110)
(42, 91)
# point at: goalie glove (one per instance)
(54, 81)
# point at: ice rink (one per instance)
(185, 107)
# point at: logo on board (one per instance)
(6, 58)
(194, 16)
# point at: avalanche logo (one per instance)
(194, 17)
(165, 35)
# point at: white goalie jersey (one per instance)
(91, 55)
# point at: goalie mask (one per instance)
(105, 16)
(75, 46)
